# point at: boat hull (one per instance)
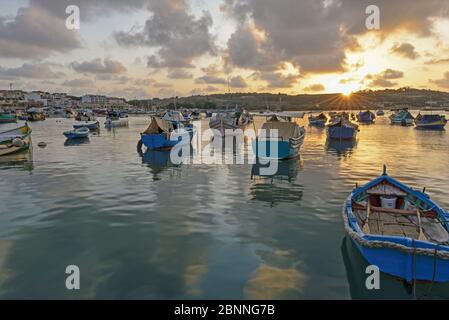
(7, 147)
(400, 264)
(318, 123)
(123, 122)
(8, 119)
(341, 133)
(285, 149)
(91, 126)
(160, 142)
(431, 126)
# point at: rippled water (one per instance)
(145, 228)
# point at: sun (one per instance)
(346, 92)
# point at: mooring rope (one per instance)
(388, 244)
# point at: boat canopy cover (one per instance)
(158, 126)
(173, 116)
(386, 189)
(285, 130)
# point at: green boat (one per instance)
(7, 117)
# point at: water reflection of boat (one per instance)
(23, 159)
(278, 187)
(341, 147)
(390, 287)
(76, 142)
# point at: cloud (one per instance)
(179, 36)
(27, 70)
(211, 89)
(437, 61)
(96, 66)
(210, 80)
(276, 80)
(79, 83)
(179, 74)
(406, 50)
(382, 83)
(34, 33)
(314, 88)
(383, 78)
(443, 83)
(314, 35)
(238, 82)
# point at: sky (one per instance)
(164, 48)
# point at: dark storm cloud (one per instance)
(178, 35)
(314, 34)
(275, 80)
(97, 66)
(27, 70)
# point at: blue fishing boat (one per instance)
(279, 139)
(162, 135)
(91, 125)
(402, 117)
(342, 129)
(80, 133)
(430, 122)
(380, 113)
(366, 117)
(398, 229)
(318, 121)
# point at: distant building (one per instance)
(94, 99)
(36, 98)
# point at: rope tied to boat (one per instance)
(376, 244)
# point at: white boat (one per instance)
(116, 119)
(223, 121)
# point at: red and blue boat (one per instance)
(399, 229)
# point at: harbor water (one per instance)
(141, 227)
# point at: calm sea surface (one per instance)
(144, 228)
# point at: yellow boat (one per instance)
(15, 140)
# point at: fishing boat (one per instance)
(85, 115)
(279, 139)
(91, 125)
(366, 117)
(342, 128)
(35, 114)
(162, 135)
(430, 121)
(402, 117)
(80, 133)
(15, 140)
(229, 123)
(318, 121)
(399, 229)
(7, 117)
(116, 119)
(380, 113)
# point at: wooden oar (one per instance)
(365, 228)
(421, 235)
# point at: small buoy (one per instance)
(42, 144)
(17, 142)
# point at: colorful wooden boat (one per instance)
(318, 121)
(366, 117)
(6, 117)
(91, 125)
(35, 114)
(161, 135)
(80, 133)
(15, 140)
(402, 117)
(279, 139)
(342, 129)
(430, 122)
(398, 229)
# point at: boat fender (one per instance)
(42, 144)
